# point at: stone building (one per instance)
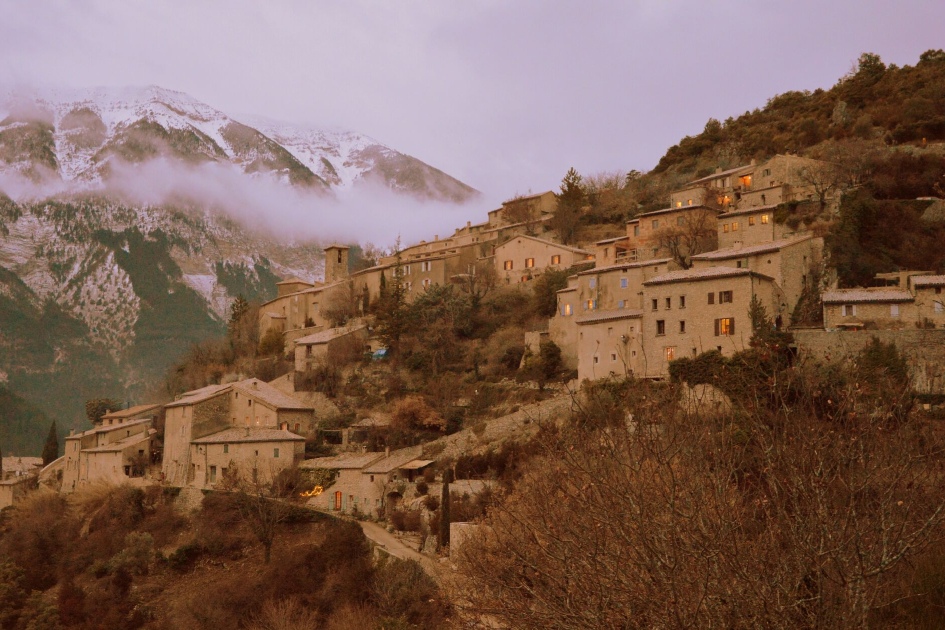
(523, 257)
(255, 454)
(313, 349)
(216, 408)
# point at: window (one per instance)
(275, 453)
(725, 326)
(679, 204)
(745, 181)
(529, 263)
(766, 172)
(682, 326)
(669, 302)
(556, 259)
(725, 228)
(725, 297)
(670, 352)
(408, 285)
(596, 360)
(566, 310)
(656, 224)
(406, 270)
(590, 305)
(847, 310)
(751, 220)
(660, 327)
(764, 219)
(249, 403)
(740, 264)
(636, 230)
(213, 474)
(894, 310)
(426, 282)
(763, 200)
(688, 203)
(613, 357)
(939, 307)
(682, 301)
(226, 448)
(656, 304)
(621, 304)
(734, 226)
(712, 298)
(623, 283)
(507, 265)
(592, 283)
(426, 265)
(610, 330)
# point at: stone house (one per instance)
(929, 291)
(313, 349)
(120, 447)
(880, 307)
(647, 233)
(524, 257)
(366, 483)
(14, 489)
(688, 312)
(523, 210)
(788, 261)
(610, 343)
(215, 408)
(256, 454)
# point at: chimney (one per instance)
(468, 224)
(386, 451)
(718, 169)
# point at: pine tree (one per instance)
(571, 200)
(51, 449)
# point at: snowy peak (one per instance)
(75, 134)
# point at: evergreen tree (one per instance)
(571, 200)
(444, 538)
(51, 449)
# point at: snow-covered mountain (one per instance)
(76, 135)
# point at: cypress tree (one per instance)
(51, 449)
(445, 509)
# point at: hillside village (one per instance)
(681, 281)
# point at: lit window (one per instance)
(623, 283)
(764, 218)
(688, 202)
(725, 296)
(590, 305)
(529, 263)
(725, 227)
(682, 326)
(734, 226)
(679, 204)
(670, 353)
(507, 265)
(660, 327)
(751, 220)
(724, 326)
(556, 259)
(566, 310)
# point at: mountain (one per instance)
(79, 135)
(101, 292)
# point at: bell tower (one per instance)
(336, 263)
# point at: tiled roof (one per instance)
(14, 464)
(345, 461)
(327, 335)
(294, 280)
(270, 395)
(567, 290)
(112, 427)
(604, 316)
(198, 395)
(546, 242)
(751, 210)
(671, 209)
(621, 266)
(249, 434)
(129, 412)
(709, 273)
(394, 461)
(743, 167)
(741, 252)
(928, 281)
(612, 240)
(844, 296)
(121, 444)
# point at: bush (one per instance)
(406, 520)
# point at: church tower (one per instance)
(336, 263)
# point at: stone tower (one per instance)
(336, 263)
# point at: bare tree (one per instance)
(522, 210)
(779, 516)
(256, 497)
(342, 304)
(696, 233)
(478, 281)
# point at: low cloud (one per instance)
(366, 213)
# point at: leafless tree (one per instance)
(644, 514)
(256, 496)
(522, 210)
(342, 304)
(696, 233)
(478, 281)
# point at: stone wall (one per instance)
(925, 350)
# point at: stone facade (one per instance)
(610, 344)
(523, 257)
(257, 455)
(114, 451)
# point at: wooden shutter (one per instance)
(716, 326)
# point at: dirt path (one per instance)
(396, 547)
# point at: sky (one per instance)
(505, 96)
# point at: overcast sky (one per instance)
(504, 95)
